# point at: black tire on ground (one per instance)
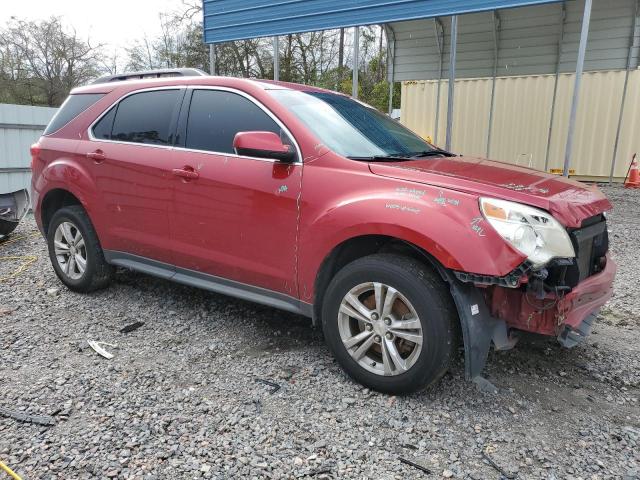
(98, 273)
(7, 227)
(430, 297)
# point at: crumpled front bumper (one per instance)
(589, 295)
(13, 206)
(553, 315)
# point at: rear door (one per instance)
(238, 218)
(130, 153)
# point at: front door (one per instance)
(233, 217)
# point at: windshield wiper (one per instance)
(405, 157)
(383, 158)
(432, 153)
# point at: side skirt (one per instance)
(208, 282)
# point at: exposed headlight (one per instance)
(532, 231)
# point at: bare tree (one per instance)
(42, 61)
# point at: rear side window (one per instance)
(141, 118)
(216, 116)
(73, 106)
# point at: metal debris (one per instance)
(274, 386)
(504, 473)
(97, 346)
(409, 446)
(44, 420)
(131, 327)
(317, 471)
(415, 465)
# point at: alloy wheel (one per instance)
(380, 329)
(70, 250)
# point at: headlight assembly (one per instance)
(530, 230)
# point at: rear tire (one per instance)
(6, 228)
(75, 251)
(400, 349)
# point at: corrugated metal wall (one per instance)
(226, 20)
(528, 41)
(522, 114)
(20, 127)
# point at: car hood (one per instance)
(568, 200)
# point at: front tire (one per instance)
(390, 322)
(75, 251)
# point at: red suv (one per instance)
(310, 201)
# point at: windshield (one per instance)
(351, 128)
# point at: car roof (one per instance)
(207, 80)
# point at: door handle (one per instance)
(98, 156)
(186, 172)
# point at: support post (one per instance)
(391, 60)
(212, 59)
(584, 35)
(452, 79)
(439, 29)
(496, 44)
(356, 61)
(276, 58)
(563, 17)
(634, 28)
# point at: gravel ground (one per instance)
(182, 397)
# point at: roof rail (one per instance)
(166, 72)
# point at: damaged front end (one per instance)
(561, 298)
(13, 207)
(557, 298)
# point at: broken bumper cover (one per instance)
(488, 314)
(13, 206)
(553, 314)
(590, 294)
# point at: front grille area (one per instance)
(591, 242)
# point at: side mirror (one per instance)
(263, 145)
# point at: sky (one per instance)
(115, 23)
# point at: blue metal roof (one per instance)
(226, 20)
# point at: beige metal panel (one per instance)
(521, 120)
(522, 114)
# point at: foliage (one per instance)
(40, 62)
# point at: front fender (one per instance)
(446, 224)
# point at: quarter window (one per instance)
(73, 106)
(215, 116)
(141, 118)
(102, 129)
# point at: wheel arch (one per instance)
(360, 246)
(53, 201)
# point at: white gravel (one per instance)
(181, 400)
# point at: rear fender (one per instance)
(69, 175)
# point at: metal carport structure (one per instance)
(420, 37)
